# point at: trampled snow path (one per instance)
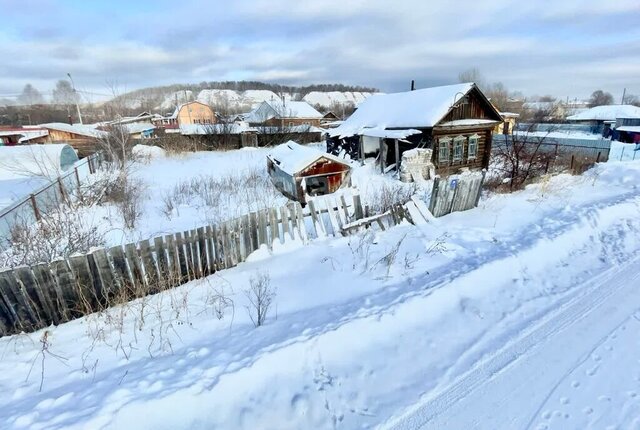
(527, 370)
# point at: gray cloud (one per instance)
(564, 48)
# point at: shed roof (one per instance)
(79, 129)
(607, 112)
(276, 109)
(292, 157)
(629, 129)
(412, 109)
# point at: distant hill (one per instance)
(241, 96)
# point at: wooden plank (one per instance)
(40, 304)
(182, 257)
(326, 221)
(253, 226)
(17, 300)
(162, 259)
(121, 270)
(150, 269)
(237, 236)
(334, 217)
(188, 246)
(102, 282)
(246, 237)
(302, 228)
(67, 287)
(105, 273)
(294, 222)
(284, 216)
(262, 228)
(135, 265)
(10, 321)
(345, 208)
(84, 283)
(211, 250)
(202, 249)
(317, 225)
(228, 261)
(173, 259)
(357, 206)
(220, 249)
(275, 227)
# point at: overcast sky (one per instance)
(560, 47)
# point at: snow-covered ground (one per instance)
(520, 313)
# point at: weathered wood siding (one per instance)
(476, 108)
(482, 158)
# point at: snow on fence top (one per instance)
(412, 109)
(35, 160)
(292, 157)
(607, 113)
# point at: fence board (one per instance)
(135, 265)
(162, 261)
(182, 257)
(84, 282)
(16, 299)
(38, 302)
(67, 285)
(101, 282)
(253, 226)
(211, 250)
(122, 275)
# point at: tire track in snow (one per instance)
(611, 286)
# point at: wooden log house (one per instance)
(455, 121)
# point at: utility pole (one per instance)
(77, 98)
(624, 93)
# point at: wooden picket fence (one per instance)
(456, 193)
(35, 297)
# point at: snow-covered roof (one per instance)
(276, 109)
(509, 114)
(629, 129)
(138, 127)
(292, 157)
(174, 115)
(412, 109)
(607, 112)
(80, 129)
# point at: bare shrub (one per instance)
(63, 232)
(260, 295)
(175, 144)
(224, 197)
(388, 195)
(389, 259)
(126, 194)
(522, 158)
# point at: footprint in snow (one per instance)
(575, 384)
(564, 400)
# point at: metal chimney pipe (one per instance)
(413, 85)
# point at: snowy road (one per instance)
(514, 388)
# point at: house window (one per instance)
(473, 147)
(458, 147)
(443, 150)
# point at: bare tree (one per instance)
(30, 96)
(522, 157)
(472, 75)
(260, 295)
(600, 98)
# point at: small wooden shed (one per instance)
(299, 171)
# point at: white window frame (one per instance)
(458, 146)
(473, 143)
(443, 143)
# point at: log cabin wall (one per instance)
(450, 167)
